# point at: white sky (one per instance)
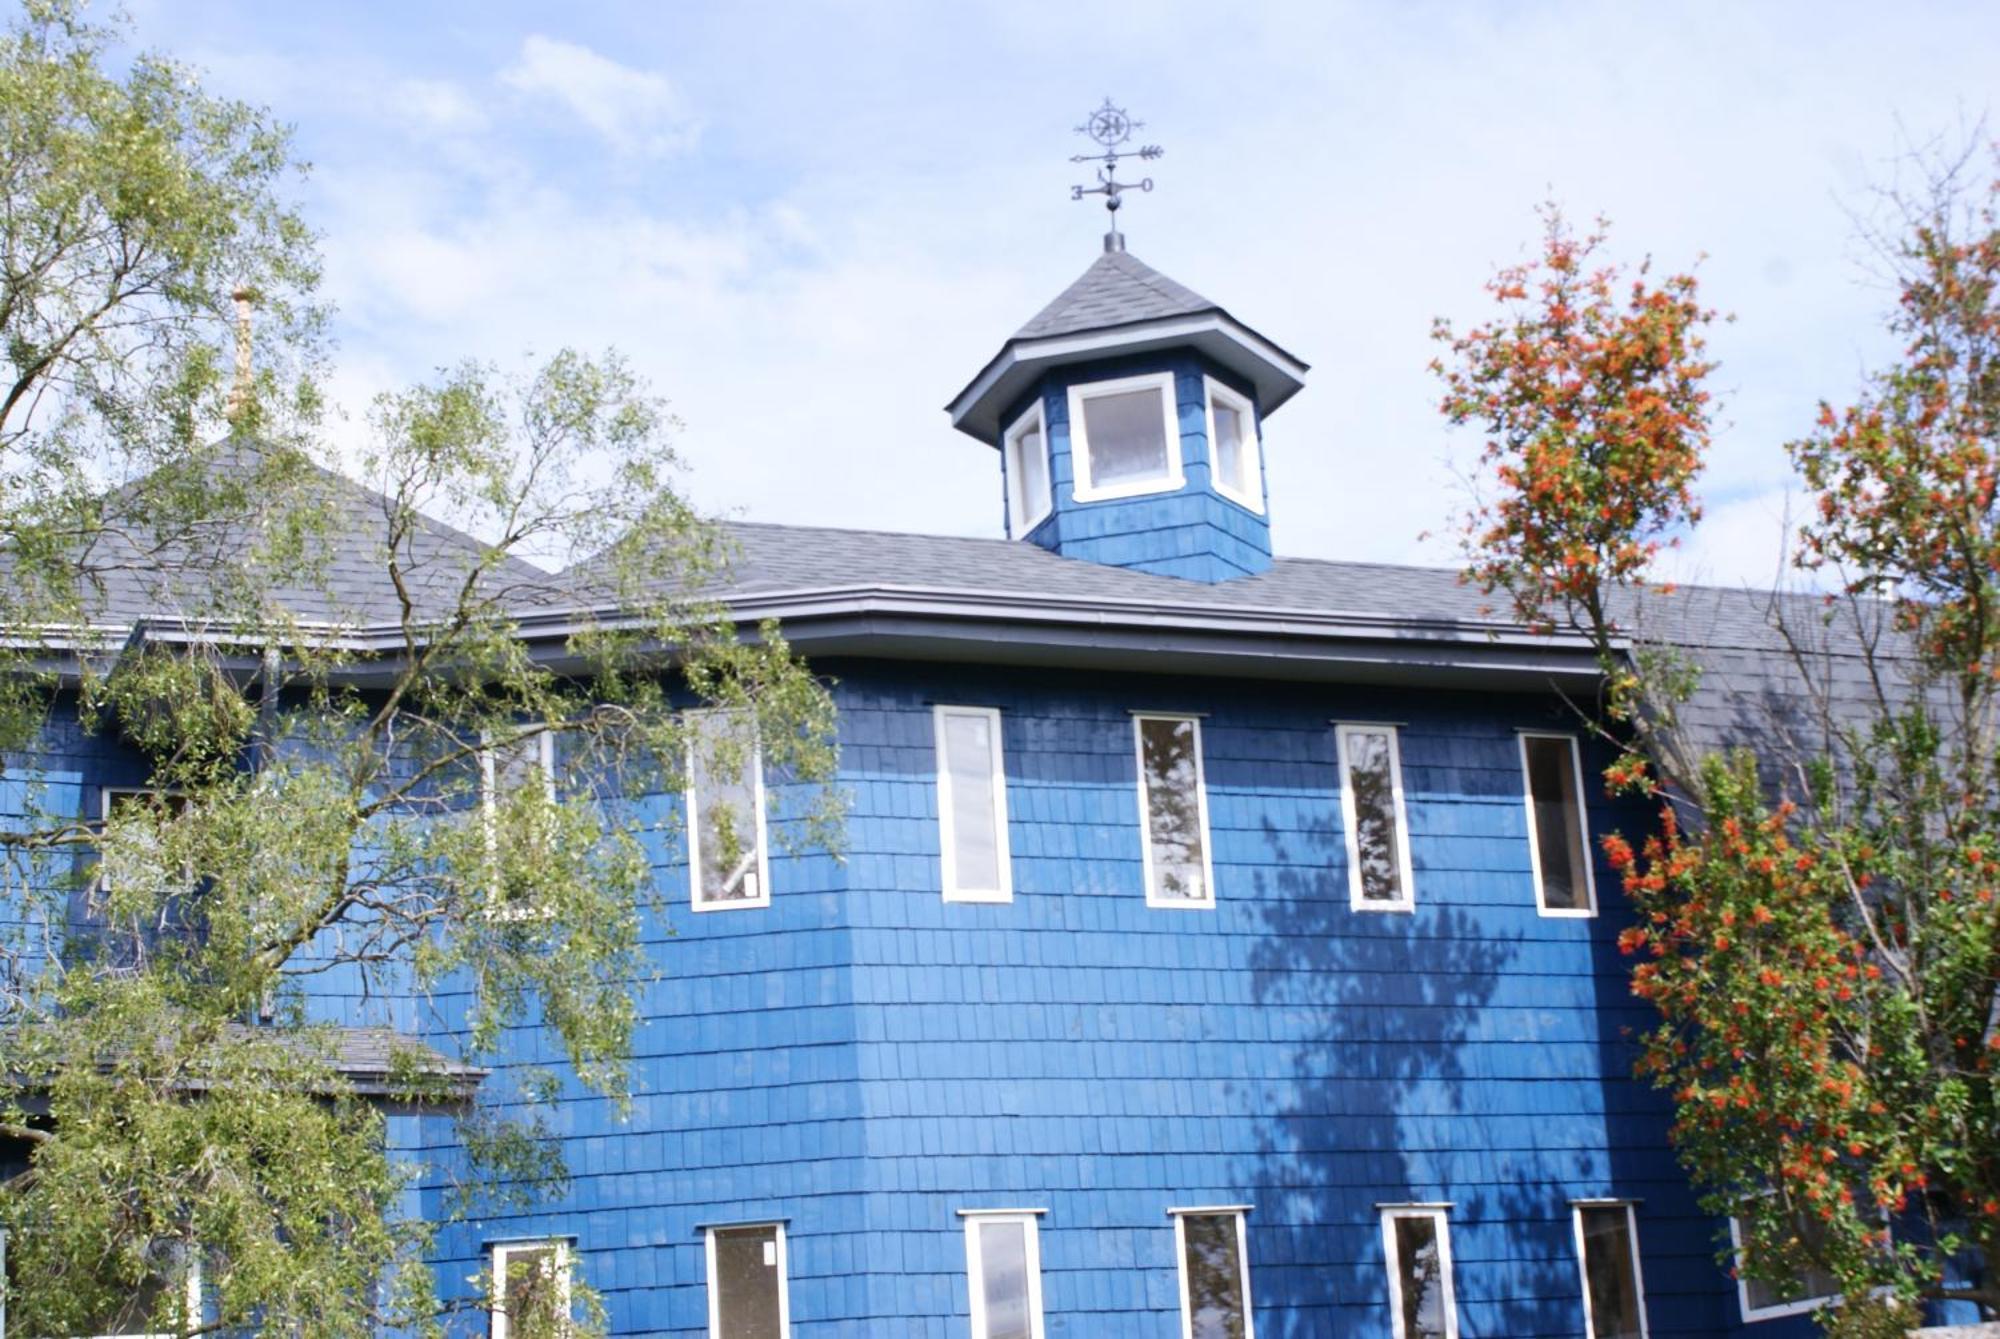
(810, 224)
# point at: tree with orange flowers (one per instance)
(1823, 952)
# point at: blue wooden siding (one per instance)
(1194, 532)
(862, 1060)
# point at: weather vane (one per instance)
(1110, 127)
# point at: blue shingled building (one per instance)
(1220, 948)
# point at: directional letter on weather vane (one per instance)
(1110, 127)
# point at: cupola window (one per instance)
(1028, 502)
(1123, 437)
(1232, 453)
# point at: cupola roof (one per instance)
(1121, 305)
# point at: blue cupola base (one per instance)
(1172, 513)
(1129, 420)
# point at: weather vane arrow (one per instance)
(1110, 127)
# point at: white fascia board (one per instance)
(976, 409)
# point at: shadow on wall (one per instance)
(1400, 1090)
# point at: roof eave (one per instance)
(1275, 374)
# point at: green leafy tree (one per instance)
(340, 704)
(1817, 924)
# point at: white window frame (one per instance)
(695, 898)
(1241, 1213)
(192, 1301)
(106, 794)
(1207, 901)
(783, 1266)
(1079, 440)
(1583, 1265)
(947, 835)
(1022, 516)
(1440, 1216)
(975, 1266)
(1582, 827)
(489, 774)
(1253, 447)
(1799, 1307)
(497, 1253)
(489, 804)
(1405, 871)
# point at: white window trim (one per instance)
(1253, 447)
(784, 1276)
(695, 899)
(1079, 442)
(1441, 1225)
(1583, 1267)
(1583, 828)
(499, 1251)
(1240, 1213)
(1801, 1306)
(975, 1264)
(1352, 835)
(1023, 517)
(1207, 901)
(192, 1301)
(947, 836)
(489, 803)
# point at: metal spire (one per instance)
(1110, 127)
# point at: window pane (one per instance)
(1229, 455)
(725, 801)
(1558, 824)
(1607, 1267)
(1420, 1272)
(1371, 781)
(1127, 437)
(1003, 1274)
(1031, 479)
(532, 1292)
(1812, 1285)
(1173, 807)
(1214, 1272)
(748, 1284)
(517, 762)
(968, 747)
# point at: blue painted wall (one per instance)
(1194, 532)
(862, 1060)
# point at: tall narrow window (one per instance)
(1761, 1300)
(1173, 812)
(972, 805)
(1123, 437)
(747, 1293)
(530, 1288)
(1003, 1263)
(1416, 1241)
(1215, 1274)
(508, 766)
(1232, 437)
(1607, 1244)
(726, 855)
(1558, 842)
(1028, 500)
(1371, 801)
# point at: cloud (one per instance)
(637, 111)
(439, 105)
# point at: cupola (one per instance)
(1129, 413)
(1128, 417)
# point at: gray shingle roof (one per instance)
(1118, 289)
(1776, 668)
(351, 585)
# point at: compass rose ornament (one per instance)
(1110, 127)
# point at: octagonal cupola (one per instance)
(1128, 417)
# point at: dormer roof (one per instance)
(1121, 305)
